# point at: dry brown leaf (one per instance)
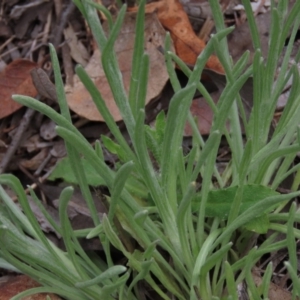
(15, 79)
(32, 143)
(275, 291)
(40, 217)
(34, 162)
(5, 30)
(21, 283)
(187, 44)
(203, 113)
(47, 130)
(77, 49)
(80, 101)
(43, 84)
(31, 17)
(240, 39)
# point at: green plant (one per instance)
(174, 220)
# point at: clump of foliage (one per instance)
(191, 243)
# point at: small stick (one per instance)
(62, 23)
(16, 139)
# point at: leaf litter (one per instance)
(26, 32)
(14, 79)
(80, 101)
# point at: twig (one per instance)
(62, 23)
(16, 139)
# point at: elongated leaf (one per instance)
(64, 171)
(219, 201)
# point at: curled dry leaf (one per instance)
(187, 44)
(78, 51)
(15, 79)
(80, 101)
(43, 84)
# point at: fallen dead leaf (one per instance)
(42, 220)
(203, 113)
(5, 30)
(80, 101)
(77, 49)
(32, 143)
(58, 149)
(187, 44)
(78, 213)
(34, 162)
(15, 79)
(275, 292)
(240, 39)
(32, 16)
(18, 284)
(43, 84)
(47, 130)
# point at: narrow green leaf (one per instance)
(108, 274)
(231, 284)
(118, 185)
